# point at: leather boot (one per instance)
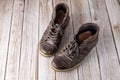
(76, 50)
(52, 36)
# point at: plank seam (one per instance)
(112, 32)
(99, 63)
(21, 39)
(72, 17)
(89, 10)
(9, 41)
(37, 67)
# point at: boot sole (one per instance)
(43, 54)
(58, 70)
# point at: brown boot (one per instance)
(75, 51)
(52, 36)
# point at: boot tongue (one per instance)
(55, 31)
(56, 28)
(83, 36)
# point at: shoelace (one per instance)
(53, 35)
(71, 49)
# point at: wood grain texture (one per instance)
(6, 7)
(108, 59)
(45, 71)
(23, 22)
(12, 70)
(113, 8)
(29, 54)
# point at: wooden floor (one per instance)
(22, 23)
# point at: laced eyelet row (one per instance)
(70, 49)
(52, 36)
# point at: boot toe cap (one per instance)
(47, 49)
(59, 64)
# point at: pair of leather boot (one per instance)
(73, 52)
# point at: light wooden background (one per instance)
(22, 23)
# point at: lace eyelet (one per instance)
(66, 48)
(48, 37)
(68, 45)
(45, 39)
(73, 51)
(63, 50)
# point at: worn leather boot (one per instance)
(76, 50)
(52, 36)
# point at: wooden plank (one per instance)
(12, 70)
(68, 36)
(113, 8)
(6, 7)
(29, 53)
(89, 67)
(108, 59)
(45, 71)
